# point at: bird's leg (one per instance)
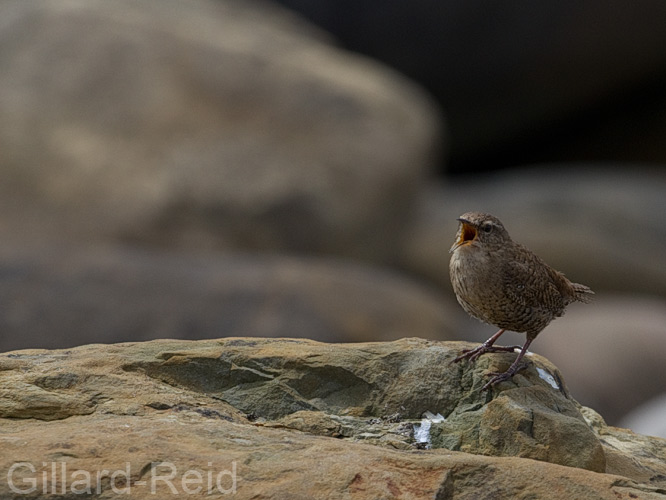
(515, 367)
(487, 346)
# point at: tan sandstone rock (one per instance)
(288, 418)
(204, 124)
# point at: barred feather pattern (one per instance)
(503, 283)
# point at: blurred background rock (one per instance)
(213, 168)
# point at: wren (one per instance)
(503, 283)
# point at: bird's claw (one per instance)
(470, 354)
(497, 377)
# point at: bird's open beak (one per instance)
(468, 234)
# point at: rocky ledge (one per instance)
(287, 418)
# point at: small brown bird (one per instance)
(505, 284)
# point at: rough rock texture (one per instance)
(287, 418)
(61, 296)
(206, 123)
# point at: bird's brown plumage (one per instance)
(505, 284)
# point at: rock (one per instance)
(61, 296)
(533, 423)
(206, 124)
(251, 461)
(165, 416)
(382, 380)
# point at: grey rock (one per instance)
(62, 296)
(206, 124)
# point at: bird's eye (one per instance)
(487, 228)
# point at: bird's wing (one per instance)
(529, 285)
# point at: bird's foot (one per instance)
(497, 377)
(473, 354)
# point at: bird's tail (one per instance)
(582, 293)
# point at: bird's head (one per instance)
(479, 229)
